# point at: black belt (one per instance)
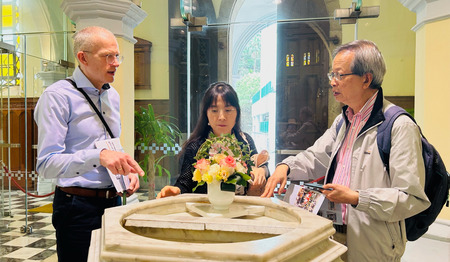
(340, 228)
(90, 192)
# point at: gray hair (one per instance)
(86, 38)
(368, 59)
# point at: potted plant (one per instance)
(154, 131)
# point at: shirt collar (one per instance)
(365, 110)
(83, 82)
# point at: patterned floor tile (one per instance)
(21, 241)
(7, 249)
(24, 253)
(42, 255)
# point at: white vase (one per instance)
(220, 200)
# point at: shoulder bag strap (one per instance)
(93, 106)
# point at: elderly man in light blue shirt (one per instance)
(68, 128)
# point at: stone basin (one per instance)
(187, 228)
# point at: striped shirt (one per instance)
(344, 156)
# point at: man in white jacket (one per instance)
(375, 203)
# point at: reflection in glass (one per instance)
(253, 45)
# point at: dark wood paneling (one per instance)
(142, 55)
(23, 134)
(406, 102)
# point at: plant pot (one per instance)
(220, 200)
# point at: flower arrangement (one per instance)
(223, 159)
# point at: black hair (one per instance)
(214, 91)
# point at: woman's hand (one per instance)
(258, 176)
(168, 191)
(256, 187)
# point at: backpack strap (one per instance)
(384, 132)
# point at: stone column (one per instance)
(120, 17)
(432, 90)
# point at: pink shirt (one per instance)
(344, 156)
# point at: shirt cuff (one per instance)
(93, 159)
(363, 200)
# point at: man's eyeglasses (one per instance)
(111, 58)
(337, 76)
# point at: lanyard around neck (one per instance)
(93, 106)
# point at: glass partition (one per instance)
(276, 54)
(34, 44)
(29, 63)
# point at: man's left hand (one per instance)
(340, 194)
(134, 184)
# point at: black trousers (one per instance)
(74, 218)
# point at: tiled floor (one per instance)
(40, 244)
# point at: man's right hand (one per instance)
(119, 163)
(168, 191)
(279, 176)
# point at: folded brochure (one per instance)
(121, 183)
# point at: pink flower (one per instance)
(202, 165)
(228, 161)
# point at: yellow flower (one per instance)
(197, 175)
(207, 177)
(225, 172)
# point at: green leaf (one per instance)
(198, 184)
(227, 187)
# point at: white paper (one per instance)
(121, 183)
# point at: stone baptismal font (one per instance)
(187, 228)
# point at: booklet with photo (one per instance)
(313, 201)
(304, 197)
(121, 183)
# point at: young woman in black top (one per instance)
(220, 113)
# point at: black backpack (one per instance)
(437, 180)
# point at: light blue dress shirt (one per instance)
(68, 128)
